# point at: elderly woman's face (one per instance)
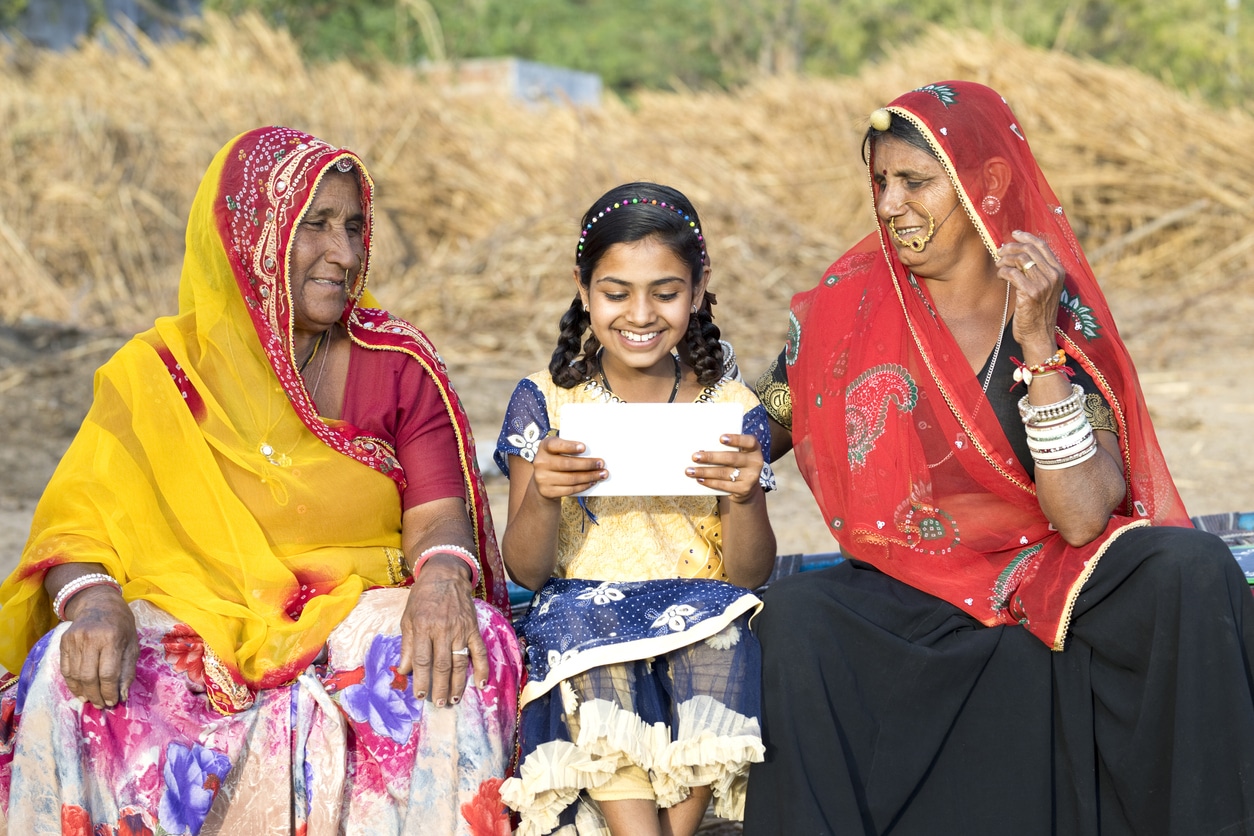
(915, 195)
(327, 252)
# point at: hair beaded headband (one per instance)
(691, 219)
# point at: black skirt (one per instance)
(888, 711)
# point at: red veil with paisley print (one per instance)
(244, 514)
(867, 352)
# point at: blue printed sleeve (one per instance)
(755, 422)
(526, 424)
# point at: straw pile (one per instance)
(479, 199)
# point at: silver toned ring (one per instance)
(465, 651)
(735, 474)
(1028, 265)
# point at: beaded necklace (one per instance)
(605, 383)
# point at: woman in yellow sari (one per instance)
(211, 615)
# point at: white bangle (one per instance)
(1059, 446)
(1057, 429)
(77, 585)
(1072, 461)
(466, 555)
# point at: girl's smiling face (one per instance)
(639, 300)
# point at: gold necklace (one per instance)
(317, 345)
(322, 366)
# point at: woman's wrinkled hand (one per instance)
(100, 648)
(734, 471)
(558, 470)
(439, 619)
(1030, 265)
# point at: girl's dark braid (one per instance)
(705, 352)
(568, 367)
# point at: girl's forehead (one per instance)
(645, 260)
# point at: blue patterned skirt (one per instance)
(655, 677)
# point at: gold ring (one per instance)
(1028, 265)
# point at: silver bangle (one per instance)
(77, 585)
(1046, 413)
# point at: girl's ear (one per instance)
(579, 288)
(698, 295)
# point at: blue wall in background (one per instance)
(57, 24)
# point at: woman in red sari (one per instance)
(262, 593)
(1025, 638)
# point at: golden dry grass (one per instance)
(479, 198)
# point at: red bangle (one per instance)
(463, 554)
(77, 585)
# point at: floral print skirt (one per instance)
(344, 749)
(641, 689)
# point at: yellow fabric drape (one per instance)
(222, 516)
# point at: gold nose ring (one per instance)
(916, 242)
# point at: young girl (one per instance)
(642, 702)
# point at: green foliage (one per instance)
(10, 9)
(1194, 44)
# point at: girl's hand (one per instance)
(558, 470)
(1037, 291)
(735, 471)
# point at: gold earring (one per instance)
(916, 242)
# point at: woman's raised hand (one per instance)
(1028, 263)
(100, 647)
(558, 470)
(735, 471)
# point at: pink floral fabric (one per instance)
(344, 749)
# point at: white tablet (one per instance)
(647, 447)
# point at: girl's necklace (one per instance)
(674, 390)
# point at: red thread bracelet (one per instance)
(1024, 373)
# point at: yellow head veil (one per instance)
(203, 479)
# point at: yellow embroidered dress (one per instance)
(643, 676)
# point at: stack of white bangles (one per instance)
(1059, 434)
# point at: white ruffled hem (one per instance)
(714, 748)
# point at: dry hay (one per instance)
(479, 198)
